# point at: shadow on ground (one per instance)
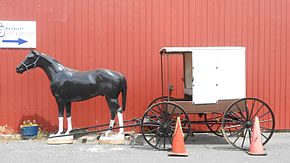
(204, 138)
(208, 140)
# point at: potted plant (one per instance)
(29, 129)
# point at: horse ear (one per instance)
(34, 51)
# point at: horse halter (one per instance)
(34, 63)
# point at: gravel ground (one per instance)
(201, 148)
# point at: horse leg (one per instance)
(60, 117)
(120, 119)
(115, 109)
(111, 125)
(68, 117)
(112, 103)
(112, 121)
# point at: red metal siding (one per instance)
(125, 35)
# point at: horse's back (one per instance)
(83, 85)
(108, 75)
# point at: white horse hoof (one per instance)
(120, 136)
(52, 135)
(67, 132)
(57, 134)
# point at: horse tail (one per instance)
(124, 93)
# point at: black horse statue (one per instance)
(68, 85)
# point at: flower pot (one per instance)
(29, 131)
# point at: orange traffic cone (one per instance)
(178, 148)
(256, 146)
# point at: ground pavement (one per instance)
(201, 148)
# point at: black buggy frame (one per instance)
(232, 119)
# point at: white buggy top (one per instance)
(212, 73)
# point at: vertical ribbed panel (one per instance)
(125, 35)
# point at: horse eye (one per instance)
(31, 56)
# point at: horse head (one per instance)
(29, 62)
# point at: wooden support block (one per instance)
(114, 142)
(60, 140)
(113, 139)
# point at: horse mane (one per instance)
(50, 58)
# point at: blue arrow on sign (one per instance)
(19, 41)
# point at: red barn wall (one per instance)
(125, 35)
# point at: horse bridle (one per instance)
(34, 63)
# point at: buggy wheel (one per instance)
(214, 122)
(160, 99)
(158, 124)
(238, 122)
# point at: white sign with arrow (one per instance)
(17, 34)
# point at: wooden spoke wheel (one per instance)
(238, 122)
(158, 124)
(160, 99)
(214, 122)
